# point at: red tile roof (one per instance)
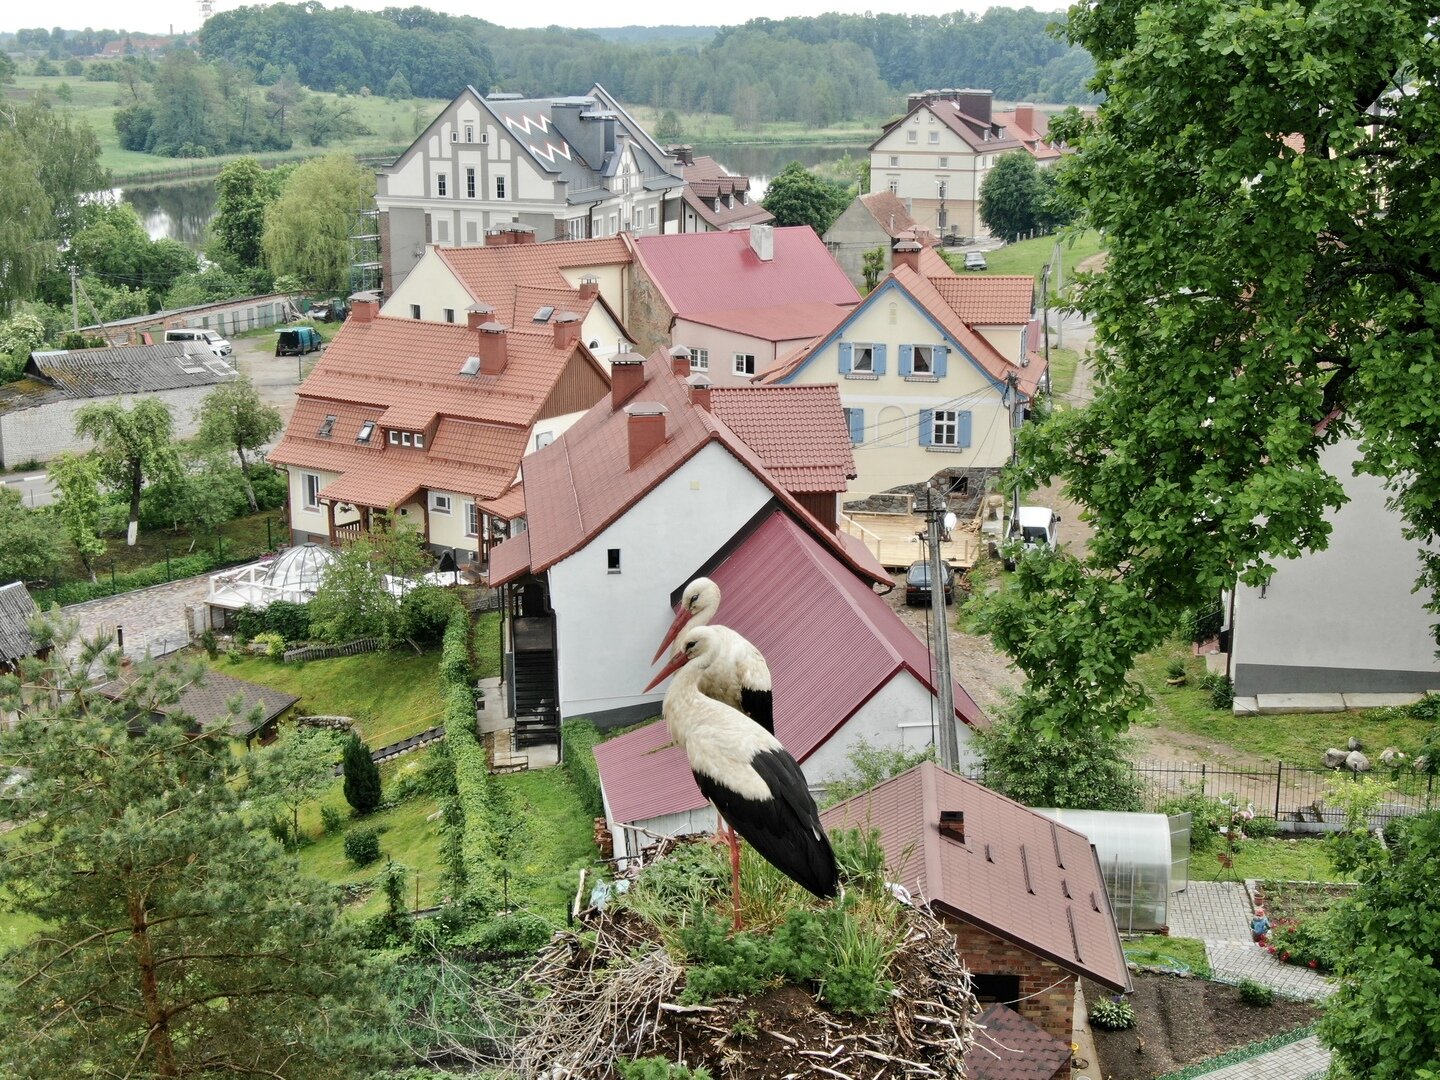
(1009, 1047)
(795, 434)
(785, 322)
(981, 300)
(705, 180)
(492, 273)
(1018, 874)
(1035, 134)
(890, 214)
(717, 271)
(830, 642)
(404, 373)
(582, 482)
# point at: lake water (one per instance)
(183, 210)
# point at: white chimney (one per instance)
(762, 242)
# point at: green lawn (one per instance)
(558, 840)
(1275, 858)
(390, 695)
(391, 126)
(1030, 256)
(1296, 739)
(487, 645)
(1177, 954)
(245, 537)
(720, 128)
(1063, 363)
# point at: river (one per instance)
(182, 210)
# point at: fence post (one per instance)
(1202, 779)
(1279, 772)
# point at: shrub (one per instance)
(1222, 690)
(362, 846)
(455, 650)
(578, 739)
(472, 778)
(1175, 669)
(1207, 816)
(249, 621)
(275, 643)
(362, 776)
(657, 1068)
(1112, 1014)
(1254, 993)
(332, 819)
(1304, 942)
(425, 613)
(1084, 770)
(209, 643)
(291, 621)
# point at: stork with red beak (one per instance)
(740, 767)
(742, 679)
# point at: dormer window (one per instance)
(419, 440)
(405, 438)
(326, 427)
(394, 438)
(367, 429)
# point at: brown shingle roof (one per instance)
(706, 180)
(1018, 874)
(1009, 1047)
(209, 704)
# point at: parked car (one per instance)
(975, 260)
(298, 340)
(1033, 527)
(208, 338)
(917, 583)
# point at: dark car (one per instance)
(917, 583)
(297, 341)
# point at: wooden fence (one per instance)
(325, 652)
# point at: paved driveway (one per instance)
(153, 619)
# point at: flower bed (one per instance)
(1300, 914)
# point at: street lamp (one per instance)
(940, 186)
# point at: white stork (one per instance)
(742, 679)
(740, 767)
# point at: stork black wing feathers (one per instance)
(785, 828)
(758, 706)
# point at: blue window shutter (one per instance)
(847, 352)
(857, 424)
(927, 426)
(962, 429)
(941, 353)
(907, 359)
(878, 351)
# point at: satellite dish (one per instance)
(949, 521)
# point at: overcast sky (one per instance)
(160, 16)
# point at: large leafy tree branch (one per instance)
(1260, 174)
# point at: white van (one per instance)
(208, 338)
(1033, 526)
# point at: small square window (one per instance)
(912, 136)
(414, 311)
(612, 560)
(439, 504)
(700, 359)
(405, 438)
(394, 438)
(935, 137)
(449, 314)
(420, 440)
(894, 161)
(744, 363)
(944, 162)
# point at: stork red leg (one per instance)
(734, 870)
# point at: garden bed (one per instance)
(1297, 899)
(1182, 1021)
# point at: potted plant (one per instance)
(1175, 673)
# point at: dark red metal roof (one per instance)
(830, 642)
(1009, 1047)
(1018, 874)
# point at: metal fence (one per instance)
(1282, 792)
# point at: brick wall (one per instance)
(650, 316)
(1052, 1009)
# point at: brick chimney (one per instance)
(627, 376)
(491, 348)
(1025, 116)
(952, 824)
(476, 314)
(906, 253)
(699, 391)
(762, 242)
(364, 306)
(680, 361)
(567, 329)
(645, 424)
(589, 287)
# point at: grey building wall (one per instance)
(853, 233)
(47, 431)
(404, 232)
(1342, 620)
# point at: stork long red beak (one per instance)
(676, 663)
(670, 635)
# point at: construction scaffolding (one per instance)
(365, 267)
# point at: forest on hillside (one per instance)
(817, 70)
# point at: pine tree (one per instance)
(362, 776)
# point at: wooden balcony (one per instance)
(893, 539)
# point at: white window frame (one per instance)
(499, 187)
(742, 361)
(405, 438)
(912, 136)
(441, 186)
(394, 437)
(934, 138)
(894, 161)
(440, 504)
(469, 133)
(894, 185)
(929, 361)
(944, 162)
(945, 428)
(543, 439)
(472, 519)
(414, 311)
(419, 440)
(868, 353)
(469, 183)
(700, 359)
(310, 490)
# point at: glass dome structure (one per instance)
(1143, 858)
(295, 574)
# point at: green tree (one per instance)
(28, 551)
(26, 236)
(177, 942)
(1084, 770)
(1381, 1023)
(307, 229)
(798, 197)
(205, 492)
(669, 129)
(81, 506)
(868, 765)
(872, 265)
(64, 154)
(1259, 303)
(241, 195)
(233, 417)
(20, 335)
(354, 600)
(1012, 196)
(292, 772)
(398, 87)
(133, 446)
(362, 776)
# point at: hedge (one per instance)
(472, 781)
(77, 592)
(455, 666)
(578, 737)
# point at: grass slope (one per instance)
(558, 840)
(390, 695)
(1274, 858)
(1030, 256)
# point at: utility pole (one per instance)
(1045, 296)
(1055, 258)
(74, 299)
(944, 691)
(1012, 388)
